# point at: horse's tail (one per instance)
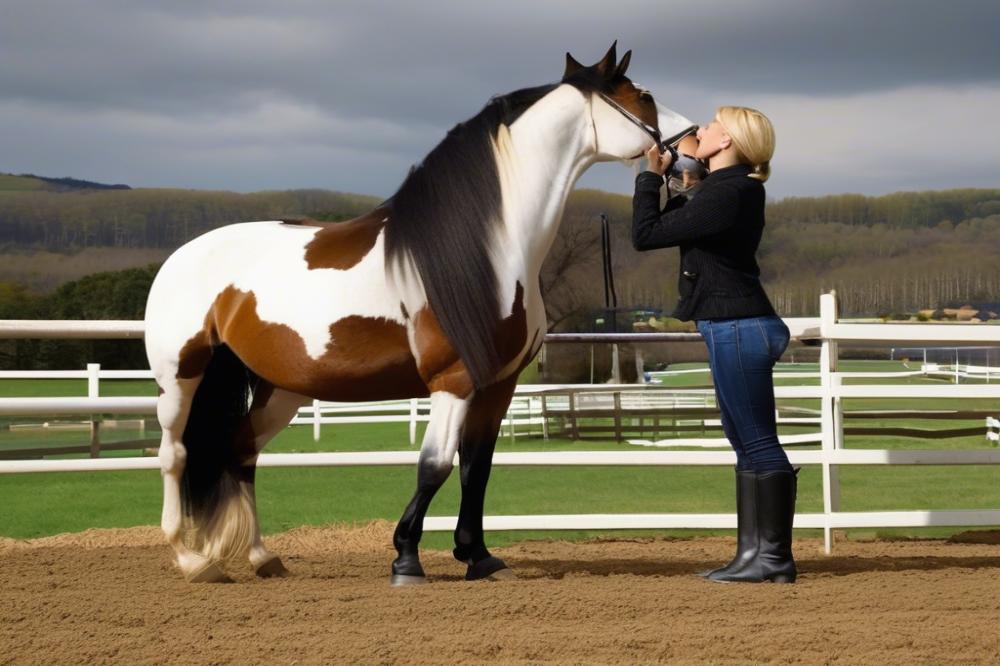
(218, 507)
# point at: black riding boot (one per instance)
(746, 525)
(774, 499)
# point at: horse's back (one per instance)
(305, 306)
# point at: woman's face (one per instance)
(688, 145)
(712, 138)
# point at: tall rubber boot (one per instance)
(746, 524)
(775, 494)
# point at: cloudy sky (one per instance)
(866, 96)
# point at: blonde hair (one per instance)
(753, 136)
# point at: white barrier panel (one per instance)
(664, 521)
(36, 406)
(537, 459)
(888, 334)
(75, 374)
(69, 329)
(830, 391)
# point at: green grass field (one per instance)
(43, 504)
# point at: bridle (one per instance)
(665, 145)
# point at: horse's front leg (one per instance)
(437, 455)
(479, 437)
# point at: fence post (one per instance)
(316, 420)
(413, 421)
(510, 420)
(616, 370)
(828, 416)
(573, 433)
(94, 391)
(545, 418)
(618, 415)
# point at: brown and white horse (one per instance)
(435, 292)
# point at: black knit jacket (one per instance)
(718, 232)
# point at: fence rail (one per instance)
(825, 330)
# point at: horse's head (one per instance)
(626, 118)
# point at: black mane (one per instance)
(444, 217)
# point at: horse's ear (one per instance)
(606, 67)
(572, 66)
(623, 65)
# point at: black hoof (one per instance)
(409, 566)
(491, 567)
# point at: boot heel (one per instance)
(783, 578)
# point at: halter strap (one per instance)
(664, 145)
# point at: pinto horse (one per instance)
(434, 292)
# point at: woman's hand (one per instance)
(658, 162)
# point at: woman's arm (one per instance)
(715, 209)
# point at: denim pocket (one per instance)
(776, 335)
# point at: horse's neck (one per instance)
(539, 159)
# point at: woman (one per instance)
(718, 231)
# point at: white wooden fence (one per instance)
(830, 457)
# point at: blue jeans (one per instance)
(742, 352)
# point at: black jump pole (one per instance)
(610, 295)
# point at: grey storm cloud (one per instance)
(348, 94)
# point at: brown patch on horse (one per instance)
(440, 365)
(194, 356)
(486, 412)
(637, 104)
(513, 331)
(342, 245)
(367, 358)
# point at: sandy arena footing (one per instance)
(106, 596)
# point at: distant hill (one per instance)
(43, 219)
(898, 253)
(893, 254)
(28, 182)
(49, 235)
(900, 209)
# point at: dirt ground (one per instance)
(113, 596)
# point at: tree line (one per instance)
(110, 295)
(150, 218)
(895, 254)
(897, 257)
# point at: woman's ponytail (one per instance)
(753, 137)
(761, 171)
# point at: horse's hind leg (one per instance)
(269, 414)
(172, 411)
